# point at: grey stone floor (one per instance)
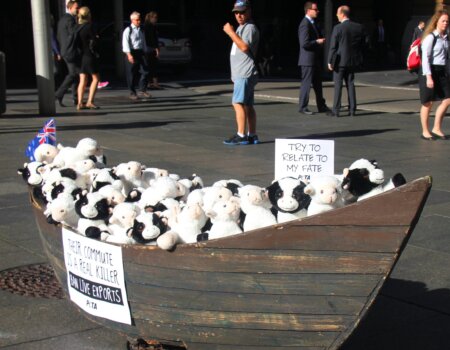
(182, 129)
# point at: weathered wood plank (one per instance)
(273, 261)
(199, 300)
(380, 239)
(244, 320)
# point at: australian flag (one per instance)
(46, 135)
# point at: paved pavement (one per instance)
(182, 129)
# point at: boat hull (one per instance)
(304, 284)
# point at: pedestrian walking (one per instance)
(310, 59)
(344, 57)
(418, 31)
(152, 41)
(244, 73)
(89, 59)
(66, 35)
(433, 81)
(135, 48)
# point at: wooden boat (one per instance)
(305, 284)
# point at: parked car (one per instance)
(175, 48)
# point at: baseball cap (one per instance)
(241, 5)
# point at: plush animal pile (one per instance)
(131, 203)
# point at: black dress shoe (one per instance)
(324, 109)
(60, 102)
(427, 138)
(306, 111)
(439, 137)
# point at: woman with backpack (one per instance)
(433, 82)
(89, 59)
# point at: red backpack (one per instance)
(414, 60)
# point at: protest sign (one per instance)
(303, 159)
(95, 277)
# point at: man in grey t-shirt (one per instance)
(243, 73)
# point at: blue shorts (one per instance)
(244, 90)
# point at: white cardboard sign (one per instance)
(303, 158)
(95, 277)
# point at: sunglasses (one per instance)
(240, 12)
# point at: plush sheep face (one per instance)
(254, 195)
(129, 171)
(45, 153)
(32, 173)
(89, 147)
(62, 209)
(214, 194)
(124, 214)
(226, 210)
(287, 195)
(323, 190)
(113, 195)
(92, 206)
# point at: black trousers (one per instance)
(311, 75)
(347, 75)
(71, 79)
(137, 72)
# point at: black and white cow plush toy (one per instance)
(364, 179)
(94, 211)
(289, 201)
(148, 227)
(32, 173)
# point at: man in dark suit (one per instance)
(418, 31)
(344, 56)
(310, 59)
(67, 25)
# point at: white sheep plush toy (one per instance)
(45, 153)
(256, 206)
(325, 193)
(184, 227)
(131, 174)
(224, 217)
(62, 210)
(86, 148)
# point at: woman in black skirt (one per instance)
(89, 64)
(433, 80)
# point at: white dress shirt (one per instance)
(439, 55)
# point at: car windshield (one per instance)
(171, 31)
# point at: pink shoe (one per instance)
(103, 84)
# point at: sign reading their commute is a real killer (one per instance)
(95, 277)
(303, 159)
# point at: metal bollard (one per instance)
(2, 83)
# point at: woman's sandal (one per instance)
(80, 107)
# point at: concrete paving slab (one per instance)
(182, 129)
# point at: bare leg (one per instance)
(439, 115)
(424, 116)
(81, 88)
(240, 117)
(251, 119)
(93, 89)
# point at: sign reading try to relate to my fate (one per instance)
(303, 159)
(95, 277)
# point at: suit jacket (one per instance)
(347, 43)
(311, 53)
(66, 26)
(417, 34)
